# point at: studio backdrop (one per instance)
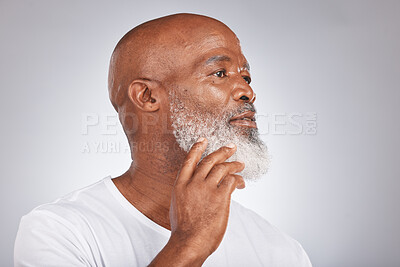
(326, 75)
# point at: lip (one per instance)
(245, 119)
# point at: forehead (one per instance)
(222, 56)
(214, 47)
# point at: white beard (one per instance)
(189, 125)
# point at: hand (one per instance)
(201, 198)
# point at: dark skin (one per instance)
(201, 59)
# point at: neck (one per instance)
(149, 181)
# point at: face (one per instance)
(214, 100)
(215, 73)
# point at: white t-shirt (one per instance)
(97, 226)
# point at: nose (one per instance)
(242, 92)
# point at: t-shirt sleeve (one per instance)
(46, 239)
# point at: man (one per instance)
(180, 85)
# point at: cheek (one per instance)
(207, 97)
(212, 103)
(216, 95)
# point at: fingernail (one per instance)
(231, 145)
(201, 139)
(240, 161)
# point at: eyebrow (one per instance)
(217, 58)
(221, 58)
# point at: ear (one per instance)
(144, 94)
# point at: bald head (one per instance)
(157, 50)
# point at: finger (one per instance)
(218, 156)
(219, 171)
(231, 182)
(191, 160)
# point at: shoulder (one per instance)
(265, 235)
(45, 238)
(78, 210)
(73, 206)
(257, 222)
(238, 210)
(64, 215)
(54, 232)
(251, 218)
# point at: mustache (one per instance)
(244, 108)
(249, 107)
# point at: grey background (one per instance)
(336, 191)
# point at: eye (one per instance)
(220, 73)
(247, 79)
